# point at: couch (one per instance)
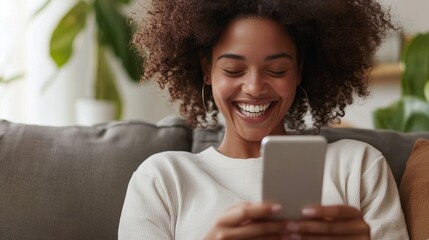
(70, 182)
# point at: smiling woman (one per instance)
(265, 64)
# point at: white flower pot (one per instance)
(91, 111)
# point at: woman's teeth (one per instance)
(253, 110)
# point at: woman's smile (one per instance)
(254, 112)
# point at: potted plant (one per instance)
(411, 112)
(113, 33)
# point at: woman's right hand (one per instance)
(244, 221)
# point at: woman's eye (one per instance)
(277, 73)
(233, 73)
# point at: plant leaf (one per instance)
(11, 79)
(105, 83)
(383, 119)
(117, 2)
(124, 1)
(417, 122)
(117, 34)
(409, 114)
(416, 62)
(426, 90)
(61, 45)
(41, 8)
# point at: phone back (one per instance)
(293, 172)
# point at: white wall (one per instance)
(12, 98)
(411, 14)
(413, 17)
(26, 49)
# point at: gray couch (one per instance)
(70, 182)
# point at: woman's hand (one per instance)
(329, 222)
(244, 221)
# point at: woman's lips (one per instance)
(254, 112)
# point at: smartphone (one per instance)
(293, 173)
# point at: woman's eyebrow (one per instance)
(242, 58)
(279, 55)
(231, 56)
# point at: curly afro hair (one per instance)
(336, 39)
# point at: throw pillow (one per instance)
(414, 191)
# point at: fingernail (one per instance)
(276, 208)
(292, 227)
(309, 212)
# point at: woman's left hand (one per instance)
(329, 222)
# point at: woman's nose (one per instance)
(255, 85)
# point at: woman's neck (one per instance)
(240, 148)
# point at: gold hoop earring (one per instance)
(203, 97)
(305, 93)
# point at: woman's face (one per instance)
(254, 73)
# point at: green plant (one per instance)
(411, 112)
(4, 80)
(113, 32)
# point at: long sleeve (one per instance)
(380, 202)
(357, 175)
(145, 214)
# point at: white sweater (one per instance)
(179, 195)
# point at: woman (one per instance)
(261, 64)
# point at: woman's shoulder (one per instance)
(351, 146)
(165, 162)
(169, 163)
(353, 154)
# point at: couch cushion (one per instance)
(204, 138)
(395, 146)
(70, 182)
(414, 191)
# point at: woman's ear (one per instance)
(205, 67)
